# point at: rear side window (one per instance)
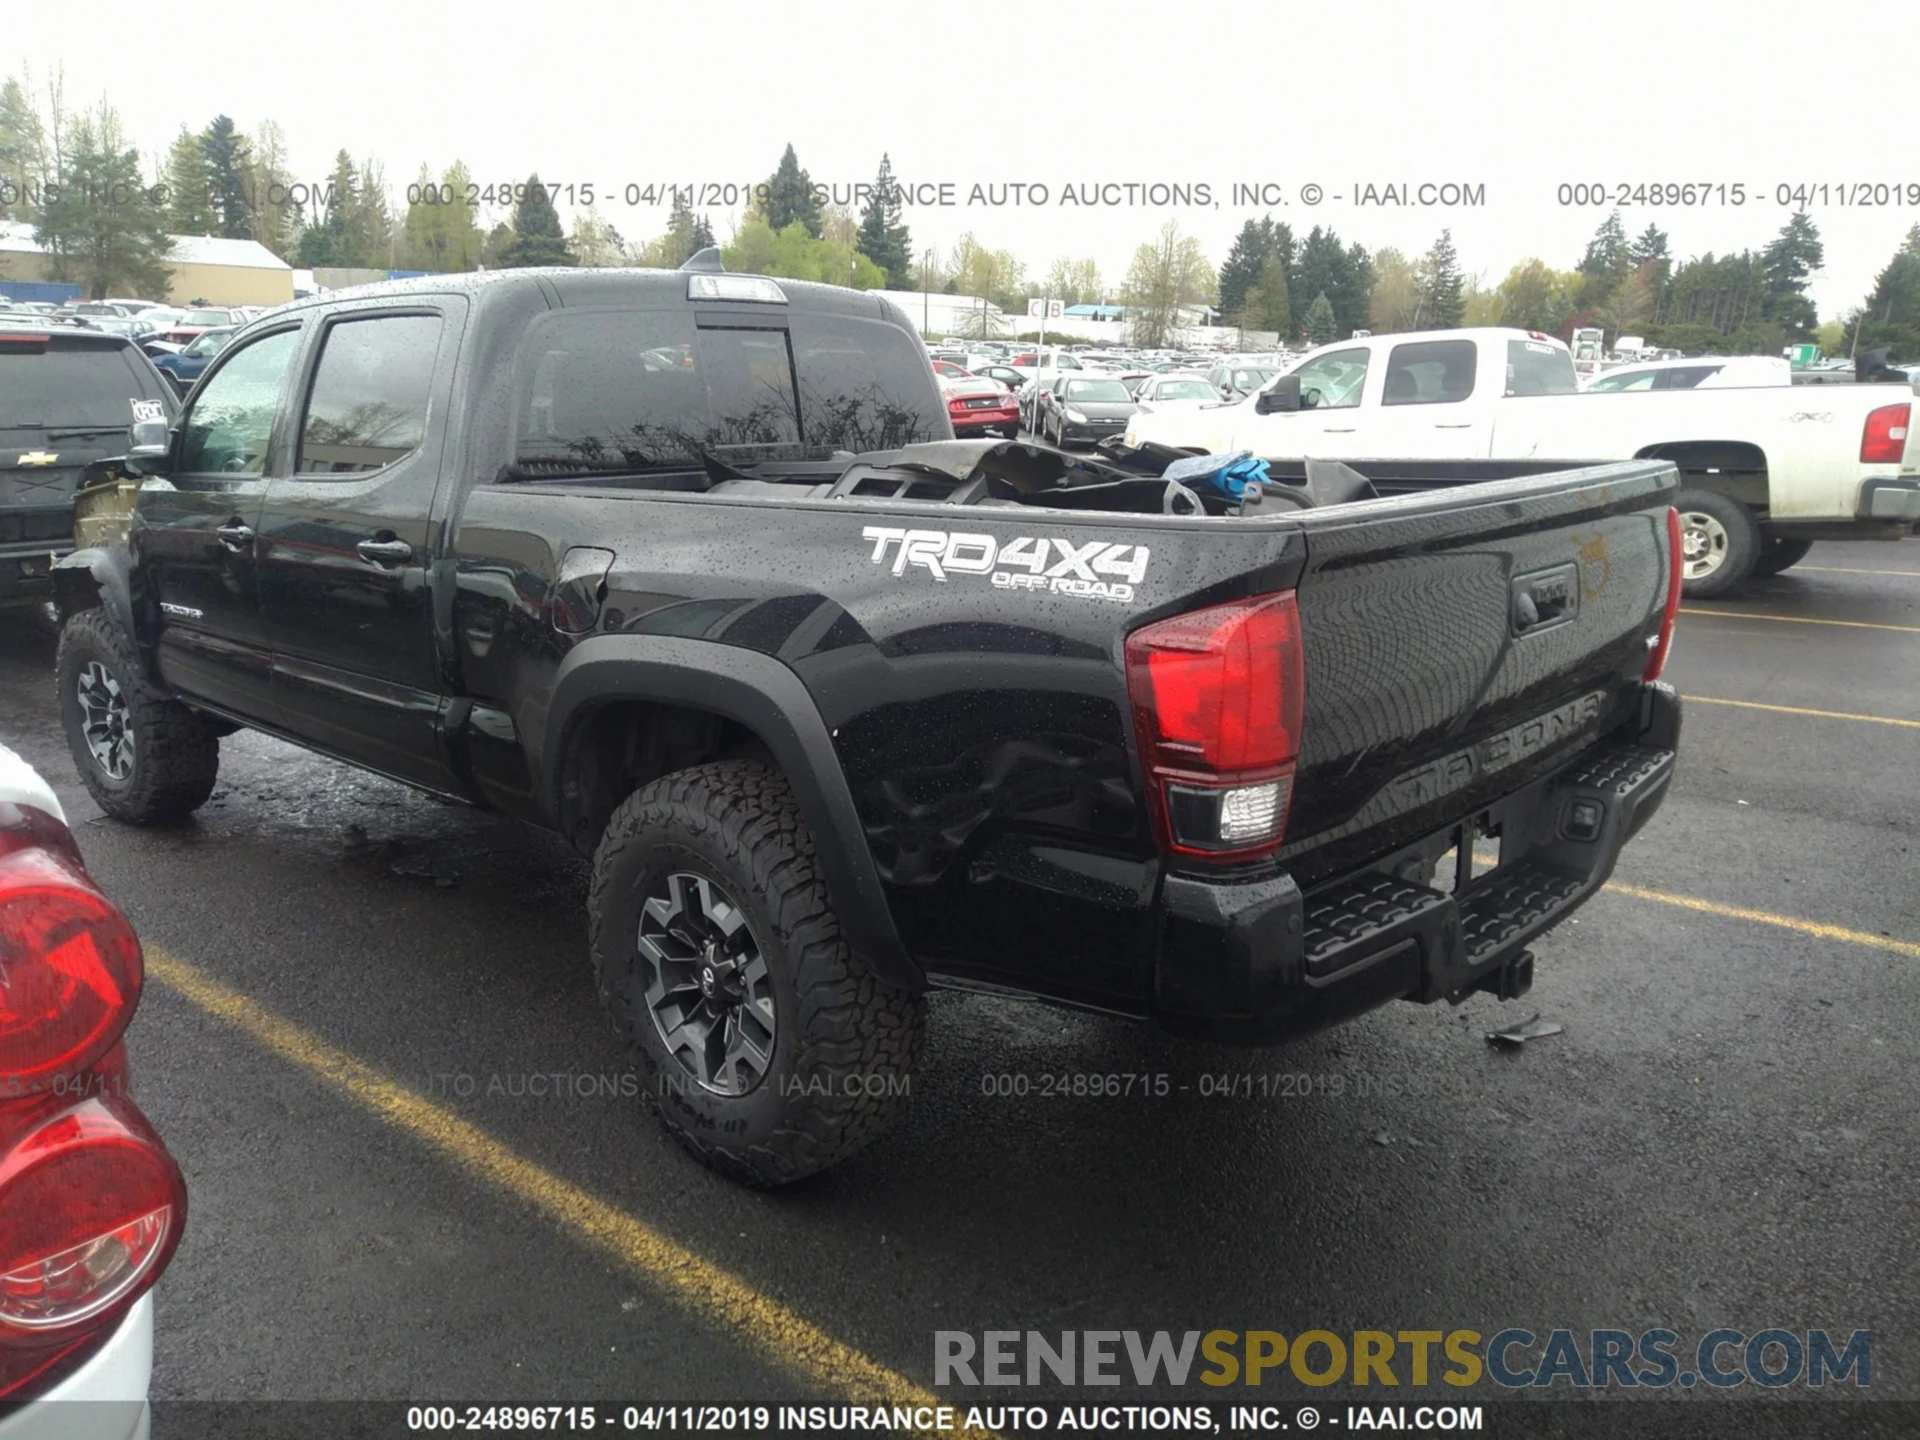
(368, 404)
(1685, 377)
(1537, 368)
(609, 390)
(48, 385)
(1430, 372)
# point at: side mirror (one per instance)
(1282, 397)
(151, 445)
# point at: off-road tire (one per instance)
(175, 757)
(845, 1042)
(1742, 541)
(1780, 554)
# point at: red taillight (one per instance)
(91, 1209)
(1663, 641)
(70, 970)
(1884, 440)
(1217, 697)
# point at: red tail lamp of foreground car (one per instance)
(91, 1203)
(1217, 696)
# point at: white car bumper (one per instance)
(105, 1399)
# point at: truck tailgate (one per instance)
(1461, 642)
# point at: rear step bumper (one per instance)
(1257, 962)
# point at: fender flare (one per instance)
(757, 691)
(102, 576)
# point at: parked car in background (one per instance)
(1084, 410)
(193, 322)
(69, 397)
(1705, 372)
(184, 367)
(978, 405)
(1232, 380)
(1005, 374)
(1764, 473)
(93, 1203)
(1177, 389)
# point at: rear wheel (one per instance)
(1719, 542)
(145, 758)
(1780, 554)
(769, 1048)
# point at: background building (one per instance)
(213, 271)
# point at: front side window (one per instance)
(227, 430)
(1333, 382)
(1430, 372)
(368, 404)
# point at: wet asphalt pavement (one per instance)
(1724, 1135)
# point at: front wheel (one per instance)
(1780, 554)
(145, 758)
(769, 1048)
(1719, 542)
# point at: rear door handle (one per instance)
(235, 535)
(1339, 430)
(384, 552)
(1462, 425)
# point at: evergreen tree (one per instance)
(225, 149)
(107, 248)
(537, 236)
(1891, 315)
(883, 232)
(790, 197)
(1443, 287)
(1649, 244)
(1240, 271)
(1787, 264)
(1320, 327)
(1265, 305)
(678, 242)
(1606, 262)
(702, 233)
(1343, 274)
(189, 193)
(22, 151)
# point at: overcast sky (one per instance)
(1516, 97)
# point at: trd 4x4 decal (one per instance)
(1092, 569)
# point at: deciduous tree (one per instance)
(1168, 275)
(100, 228)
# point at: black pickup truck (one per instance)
(688, 567)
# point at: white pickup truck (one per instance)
(1765, 471)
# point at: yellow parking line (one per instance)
(789, 1340)
(1849, 570)
(1816, 928)
(1798, 620)
(1796, 710)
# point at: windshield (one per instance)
(1098, 392)
(208, 342)
(1536, 368)
(206, 317)
(1184, 390)
(75, 385)
(602, 390)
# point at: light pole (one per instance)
(926, 293)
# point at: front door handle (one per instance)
(1462, 425)
(235, 535)
(384, 552)
(1340, 429)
